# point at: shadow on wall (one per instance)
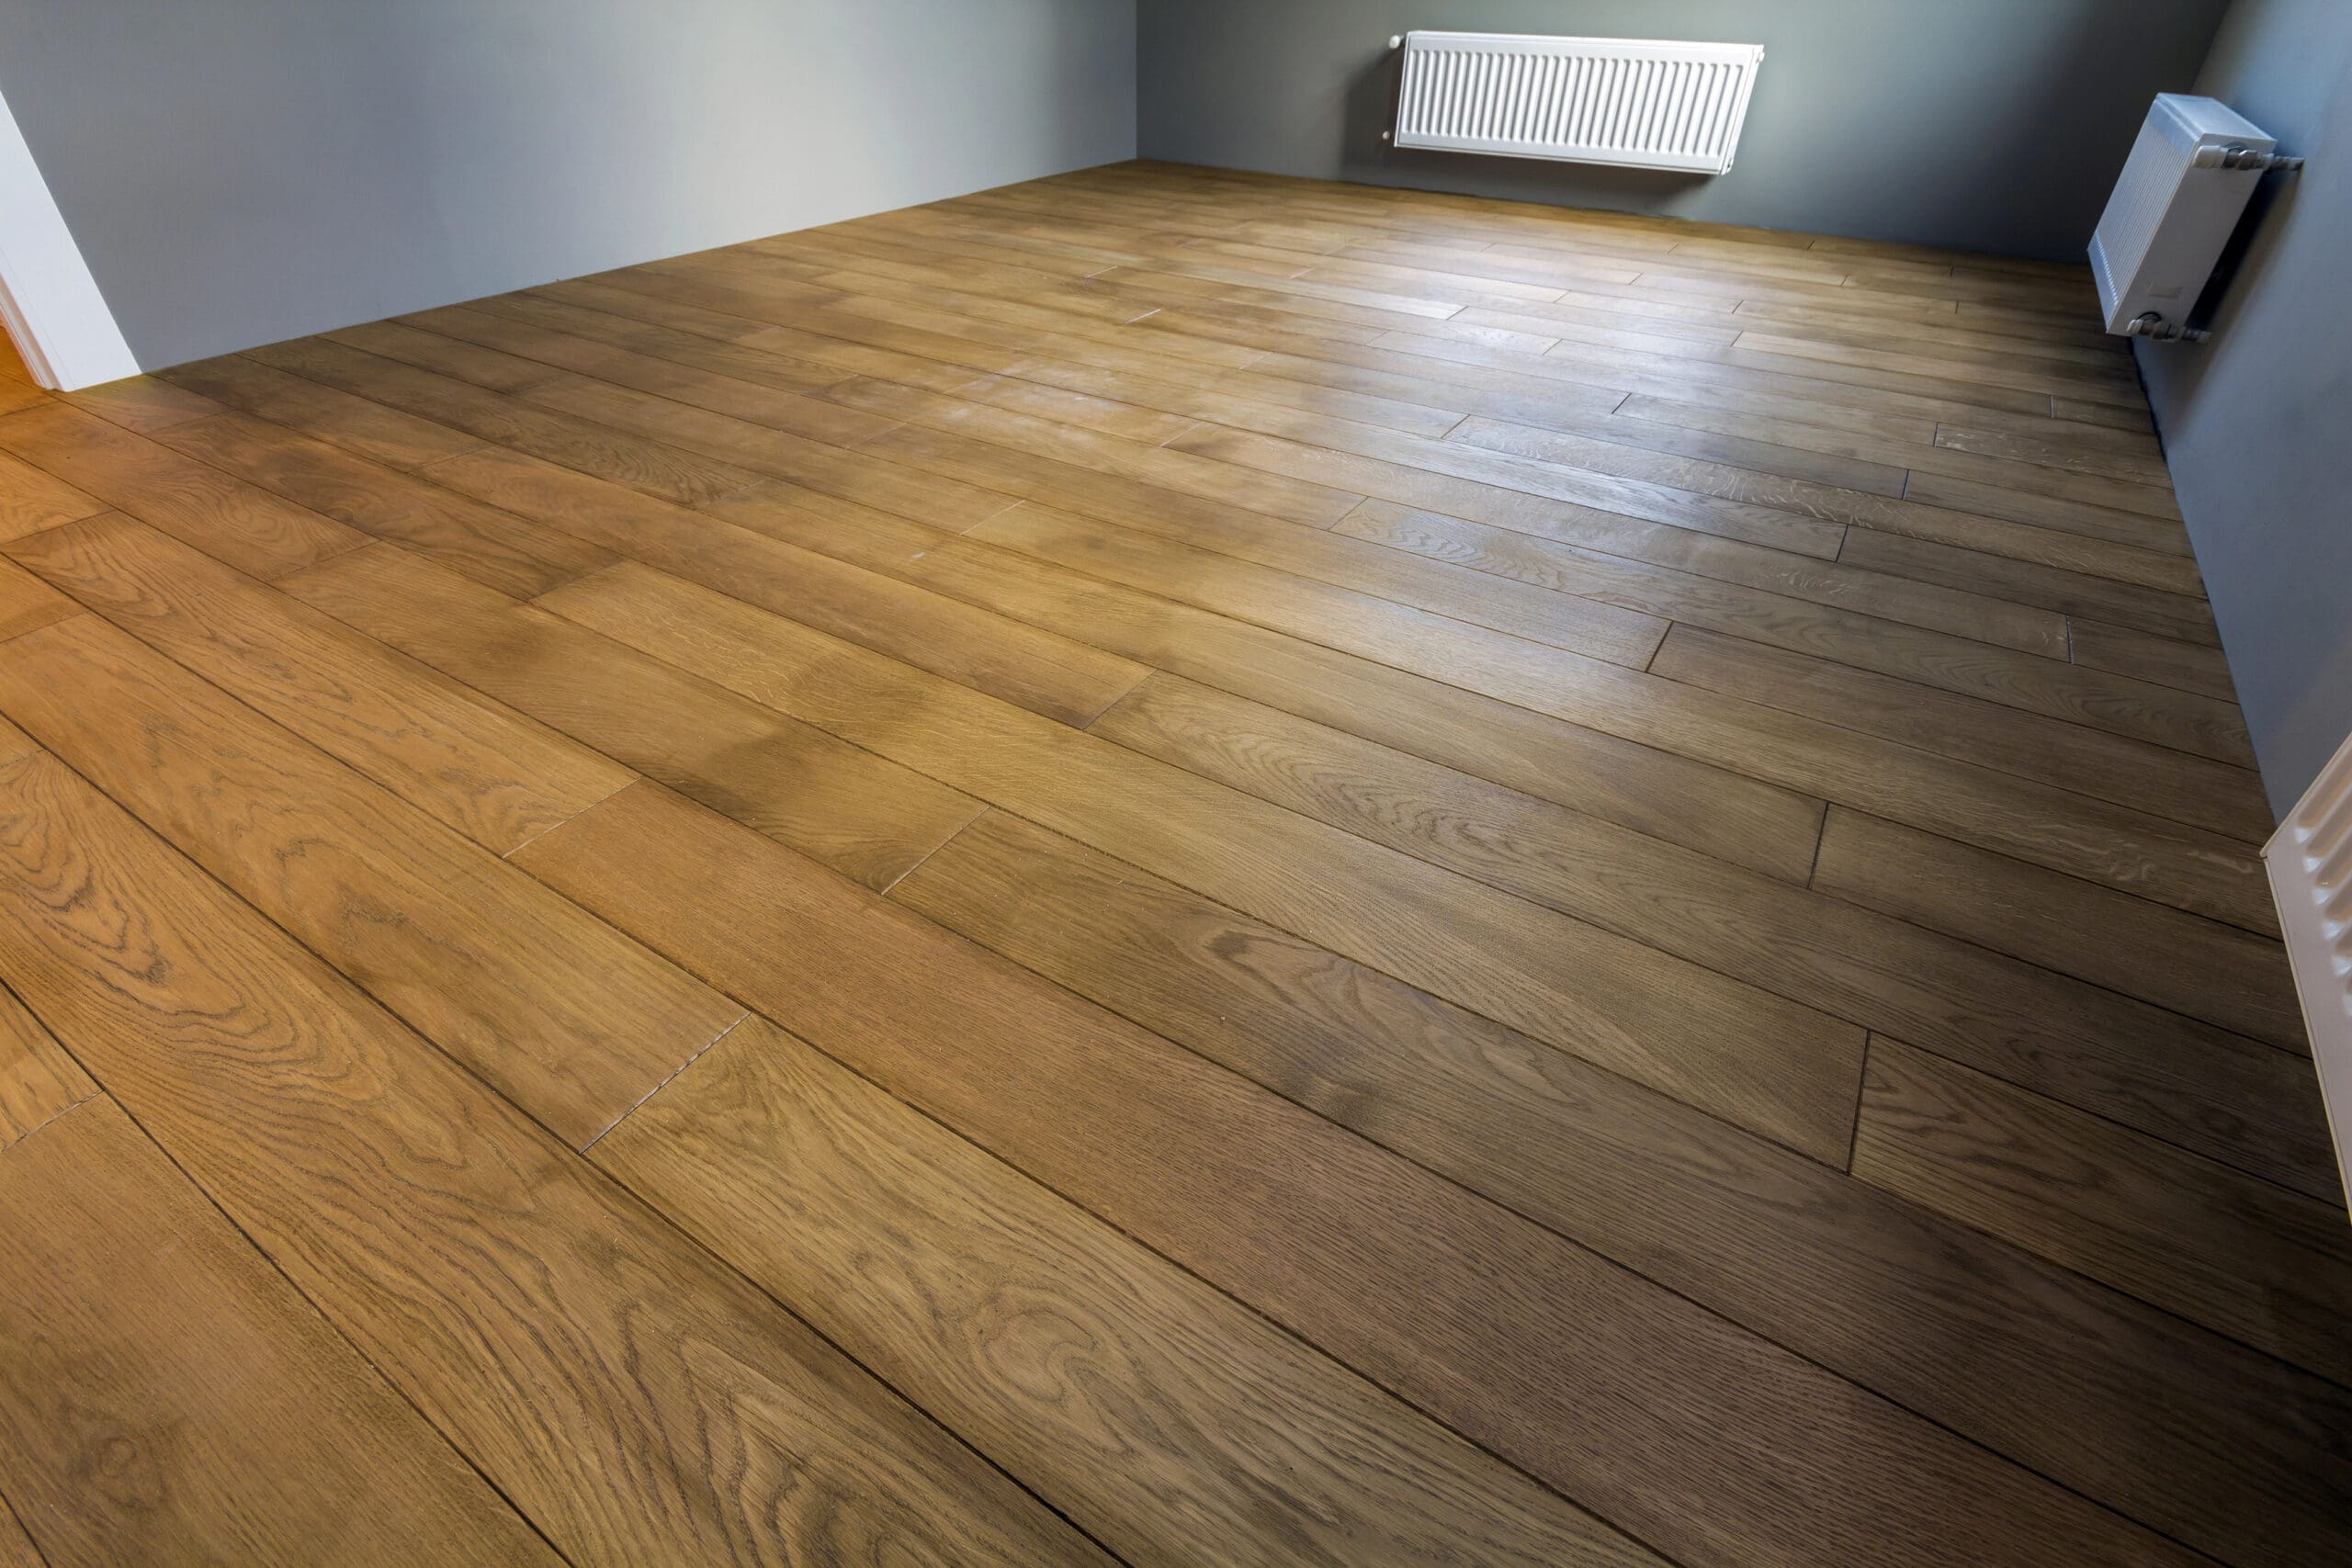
(2269, 216)
(2254, 422)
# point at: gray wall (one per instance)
(240, 171)
(2257, 423)
(1986, 124)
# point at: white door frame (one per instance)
(48, 302)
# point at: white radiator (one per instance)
(2182, 191)
(2310, 861)
(1591, 100)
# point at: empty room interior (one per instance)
(1236, 783)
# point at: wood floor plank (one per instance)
(1793, 751)
(1172, 466)
(1299, 718)
(2167, 535)
(2201, 967)
(644, 354)
(39, 1080)
(1766, 1238)
(1163, 1417)
(497, 779)
(2035, 679)
(1767, 595)
(2113, 416)
(1047, 673)
(603, 369)
(1327, 1235)
(2061, 448)
(17, 1550)
(1786, 1071)
(854, 810)
(242, 524)
(32, 499)
(2148, 491)
(629, 1395)
(1413, 485)
(2270, 1268)
(143, 403)
(165, 1397)
(682, 454)
(1929, 505)
(2075, 756)
(1073, 362)
(1748, 823)
(568, 1018)
(2160, 611)
(2233, 1098)
(429, 351)
(2167, 662)
(379, 434)
(26, 602)
(478, 412)
(508, 553)
(1458, 651)
(1602, 633)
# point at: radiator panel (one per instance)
(1630, 102)
(2310, 861)
(2169, 217)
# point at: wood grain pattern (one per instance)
(568, 1020)
(2093, 762)
(2167, 662)
(359, 424)
(39, 1080)
(497, 779)
(1798, 752)
(165, 1397)
(17, 1550)
(1755, 1059)
(856, 811)
(143, 403)
(2271, 1268)
(1045, 673)
(1767, 1238)
(1261, 747)
(1364, 1254)
(2201, 967)
(26, 602)
(632, 1397)
(2136, 1063)
(1158, 1413)
(247, 527)
(509, 553)
(32, 499)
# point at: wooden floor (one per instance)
(1165, 866)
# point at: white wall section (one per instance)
(48, 299)
(242, 171)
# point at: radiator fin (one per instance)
(1646, 104)
(2310, 861)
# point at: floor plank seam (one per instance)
(668, 1079)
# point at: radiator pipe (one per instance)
(2237, 157)
(2150, 325)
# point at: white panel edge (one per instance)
(49, 302)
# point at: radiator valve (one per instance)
(2150, 325)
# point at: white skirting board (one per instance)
(48, 302)
(2310, 861)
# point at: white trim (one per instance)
(2310, 861)
(48, 302)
